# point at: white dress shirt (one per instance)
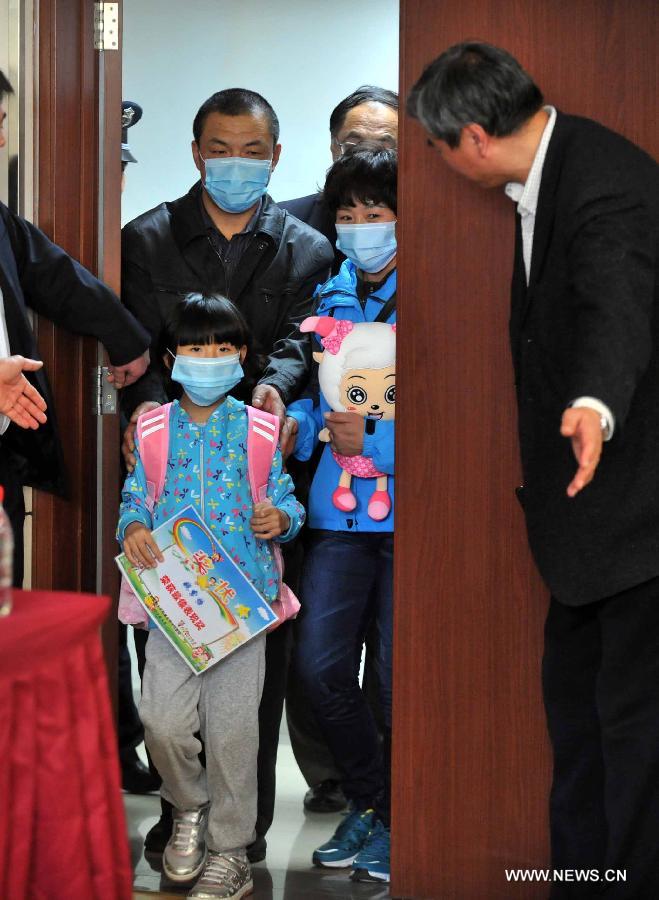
(526, 197)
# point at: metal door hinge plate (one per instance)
(104, 393)
(106, 26)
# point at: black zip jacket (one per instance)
(167, 253)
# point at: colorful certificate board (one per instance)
(198, 597)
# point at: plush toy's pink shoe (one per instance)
(379, 505)
(344, 499)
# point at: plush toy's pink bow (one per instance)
(332, 331)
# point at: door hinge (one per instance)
(106, 26)
(104, 393)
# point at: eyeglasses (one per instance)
(387, 143)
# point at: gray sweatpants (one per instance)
(223, 705)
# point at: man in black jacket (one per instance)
(39, 275)
(584, 333)
(368, 114)
(227, 236)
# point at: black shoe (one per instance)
(326, 797)
(137, 779)
(256, 850)
(156, 839)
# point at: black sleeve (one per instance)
(611, 264)
(138, 296)
(289, 364)
(59, 288)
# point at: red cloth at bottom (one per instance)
(62, 826)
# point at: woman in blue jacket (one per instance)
(347, 579)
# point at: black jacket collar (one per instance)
(188, 223)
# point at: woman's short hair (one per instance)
(367, 173)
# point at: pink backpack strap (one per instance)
(153, 435)
(262, 438)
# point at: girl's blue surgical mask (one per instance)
(370, 246)
(206, 380)
(235, 183)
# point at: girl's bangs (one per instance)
(207, 321)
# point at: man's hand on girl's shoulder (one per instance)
(267, 398)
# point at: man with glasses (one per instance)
(368, 114)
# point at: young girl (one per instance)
(347, 578)
(215, 807)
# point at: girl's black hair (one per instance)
(366, 173)
(208, 319)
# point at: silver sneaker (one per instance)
(223, 878)
(185, 853)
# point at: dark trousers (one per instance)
(129, 728)
(270, 713)
(310, 749)
(347, 583)
(601, 691)
(313, 756)
(15, 508)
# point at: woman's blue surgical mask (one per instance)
(206, 380)
(370, 246)
(235, 183)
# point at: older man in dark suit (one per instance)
(370, 113)
(584, 331)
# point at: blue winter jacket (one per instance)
(338, 298)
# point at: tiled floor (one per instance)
(287, 873)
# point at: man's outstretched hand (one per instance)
(19, 400)
(582, 425)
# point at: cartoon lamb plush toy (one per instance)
(357, 373)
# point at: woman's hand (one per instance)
(268, 522)
(140, 547)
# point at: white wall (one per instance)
(304, 56)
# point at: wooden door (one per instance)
(79, 175)
(471, 757)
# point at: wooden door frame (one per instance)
(78, 173)
(471, 760)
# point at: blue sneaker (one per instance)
(372, 861)
(346, 842)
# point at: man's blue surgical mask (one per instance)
(235, 183)
(370, 246)
(206, 380)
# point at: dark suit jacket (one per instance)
(313, 212)
(589, 325)
(38, 274)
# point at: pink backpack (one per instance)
(262, 436)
